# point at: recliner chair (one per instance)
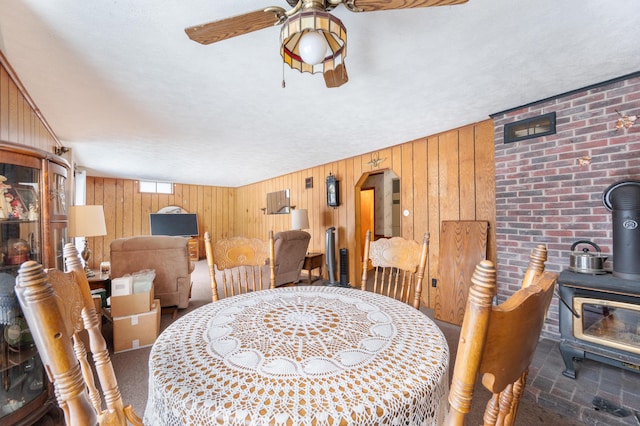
(290, 250)
(167, 256)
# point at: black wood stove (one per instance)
(600, 313)
(599, 320)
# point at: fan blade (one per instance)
(371, 5)
(336, 77)
(234, 26)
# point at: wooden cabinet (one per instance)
(313, 261)
(33, 226)
(194, 249)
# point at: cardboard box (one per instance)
(136, 331)
(131, 304)
(122, 286)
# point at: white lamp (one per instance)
(86, 221)
(299, 219)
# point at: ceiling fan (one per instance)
(312, 40)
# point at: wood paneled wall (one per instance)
(127, 210)
(20, 120)
(449, 176)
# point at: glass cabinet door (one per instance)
(19, 217)
(22, 378)
(57, 223)
(57, 191)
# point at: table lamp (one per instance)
(86, 221)
(299, 219)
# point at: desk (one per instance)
(313, 261)
(300, 356)
(100, 281)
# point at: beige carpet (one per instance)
(132, 371)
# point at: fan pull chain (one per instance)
(283, 83)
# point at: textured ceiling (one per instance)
(120, 82)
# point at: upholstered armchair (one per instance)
(290, 249)
(167, 256)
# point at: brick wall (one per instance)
(549, 189)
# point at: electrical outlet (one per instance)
(434, 282)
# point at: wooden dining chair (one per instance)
(536, 265)
(236, 265)
(398, 267)
(57, 307)
(498, 342)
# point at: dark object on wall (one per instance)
(623, 200)
(530, 128)
(344, 268)
(180, 225)
(333, 191)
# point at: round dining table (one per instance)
(303, 355)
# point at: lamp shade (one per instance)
(299, 219)
(86, 221)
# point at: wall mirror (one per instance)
(278, 202)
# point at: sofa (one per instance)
(167, 256)
(290, 249)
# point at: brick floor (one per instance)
(574, 397)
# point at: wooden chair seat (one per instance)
(236, 265)
(57, 307)
(498, 342)
(398, 267)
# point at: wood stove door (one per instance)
(608, 323)
(604, 324)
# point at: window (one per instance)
(530, 128)
(155, 187)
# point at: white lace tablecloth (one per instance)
(300, 356)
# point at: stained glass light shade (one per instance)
(323, 22)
